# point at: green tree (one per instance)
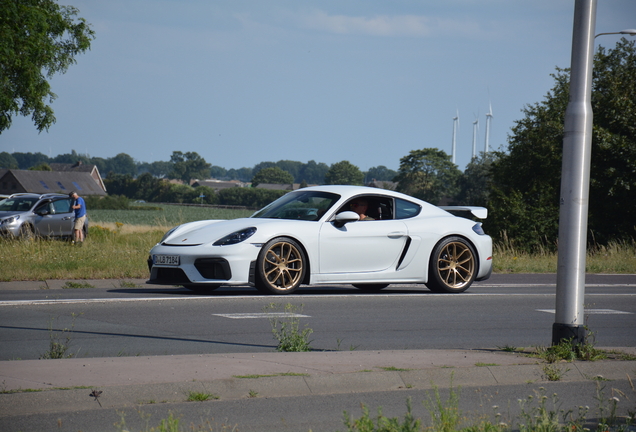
(313, 173)
(27, 160)
(71, 158)
(8, 161)
(344, 173)
(122, 164)
(474, 184)
(188, 166)
(428, 174)
(217, 172)
(525, 195)
(41, 167)
(243, 174)
(38, 38)
(272, 175)
(380, 173)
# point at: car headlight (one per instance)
(478, 229)
(10, 220)
(236, 237)
(166, 235)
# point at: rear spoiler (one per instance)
(478, 212)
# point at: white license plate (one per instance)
(171, 260)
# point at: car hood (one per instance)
(209, 231)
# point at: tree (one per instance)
(27, 160)
(123, 164)
(344, 173)
(8, 161)
(380, 173)
(272, 175)
(474, 184)
(525, 195)
(41, 167)
(313, 173)
(428, 174)
(38, 38)
(188, 166)
(217, 172)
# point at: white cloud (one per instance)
(385, 25)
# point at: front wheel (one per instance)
(453, 267)
(280, 267)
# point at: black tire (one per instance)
(452, 267)
(202, 289)
(27, 232)
(370, 287)
(280, 267)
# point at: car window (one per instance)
(45, 206)
(406, 209)
(62, 206)
(303, 205)
(378, 207)
(17, 204)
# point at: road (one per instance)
(507, 310)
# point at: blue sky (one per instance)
(246, 81)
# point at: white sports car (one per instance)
(311, 236)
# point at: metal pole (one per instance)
(575, 181)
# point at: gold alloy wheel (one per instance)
(283, 266)
(456, 265)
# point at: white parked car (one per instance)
(310, 236)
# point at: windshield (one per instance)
(303, 205)
(17, 204)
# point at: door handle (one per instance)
(396, 234)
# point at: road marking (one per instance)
(594, 311)
(262, 315)
(425, 294)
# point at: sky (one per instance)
(246, 81)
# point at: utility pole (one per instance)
(575, 181)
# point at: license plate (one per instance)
(171, 260)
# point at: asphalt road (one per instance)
(507, 310)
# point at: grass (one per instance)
(617, 257)
(59, 343)
(286, 328)
(200, 397)
(119, 241)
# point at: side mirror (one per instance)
(345, 217)
(42, 212)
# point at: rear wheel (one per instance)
(280, 267)
(453, 266)
(370, 287)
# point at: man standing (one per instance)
(80, 217)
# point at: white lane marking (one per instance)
(291, 296)
(261, 315)
(594, 311)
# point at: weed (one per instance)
(570, 350)
(392, 368)
(445, 415)
(76, 285)
(382, 423)
(127, 284)
(286, 328)
(552, 372)
(480, 364)
(508, 348)
(252, 394)
(200, 397)
(59, 344)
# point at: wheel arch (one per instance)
(306, 278)
(463, 237)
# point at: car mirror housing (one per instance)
(345, 217)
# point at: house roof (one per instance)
(15, 181)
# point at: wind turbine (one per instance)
(475, 133)
(455, 127)
(488, 120)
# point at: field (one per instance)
(119, 240)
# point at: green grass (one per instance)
(200, 397)
(119, 241)
(169, 216)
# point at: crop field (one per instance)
(168, 216)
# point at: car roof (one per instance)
(348, 191)
(38, 196)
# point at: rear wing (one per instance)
(464, 211)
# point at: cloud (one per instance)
(385, 25)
